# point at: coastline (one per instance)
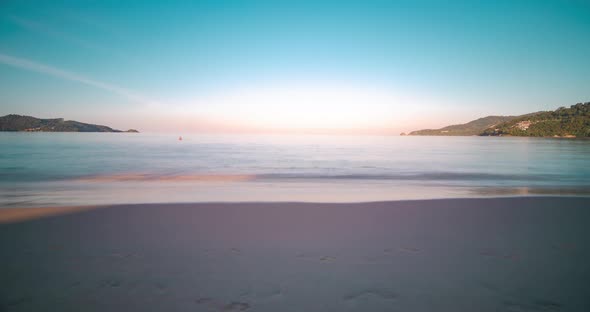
(484, 254)
(23, 214)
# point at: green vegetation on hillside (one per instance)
(475, 127)
(563, 122)
(32, 124)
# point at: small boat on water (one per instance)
(180, 138)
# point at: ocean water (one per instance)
(54, 169)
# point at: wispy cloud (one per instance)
(79, 17)
(41, 28)
(68, 75)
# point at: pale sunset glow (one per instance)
(273, 66)
(306, 107)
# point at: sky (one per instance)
(291, 66)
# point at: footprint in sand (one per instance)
(203, 300)
(515, 303)
(236, 306)
(236, 251)
(73, 284)
(327, 259)
(380, 293)
(222, 306)
(322, 259)
(548, 305)
(15, 302)
(409, 249)
(536, 306)
(113, 282)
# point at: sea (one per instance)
(70, 169)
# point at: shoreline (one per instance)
(22, 214)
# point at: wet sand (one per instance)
(12, 215)
(502, 254)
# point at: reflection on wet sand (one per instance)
(10, 215)
(144, 177)
(524, 191)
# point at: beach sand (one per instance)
(495, 254)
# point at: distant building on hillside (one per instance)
(523, 125)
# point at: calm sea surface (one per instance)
(52, 169)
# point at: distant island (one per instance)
(564, 122)
(31, 124)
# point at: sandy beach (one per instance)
(295, 156)
(503, 254)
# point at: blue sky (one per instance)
(274, 65)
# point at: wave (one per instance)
(138, 177)
(424, 176)
(523, 191)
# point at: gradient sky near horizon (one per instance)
(352, 66)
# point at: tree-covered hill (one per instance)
(563, 122)
(28, 123)
(475, 127)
